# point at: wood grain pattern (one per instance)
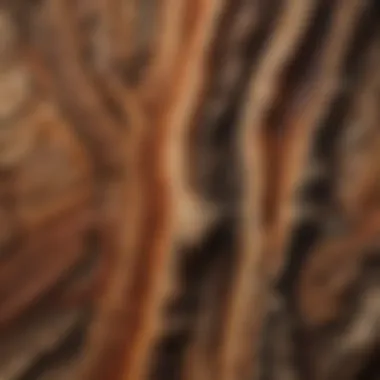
(189, 189)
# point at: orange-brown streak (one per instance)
(77, 93)
(297, 138)
(122, 217)
(166, 49)
(175, 118)
(247, 287)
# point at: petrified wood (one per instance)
(189, 189)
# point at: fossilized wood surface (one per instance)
(189, 189)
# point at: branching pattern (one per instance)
(189, 189)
